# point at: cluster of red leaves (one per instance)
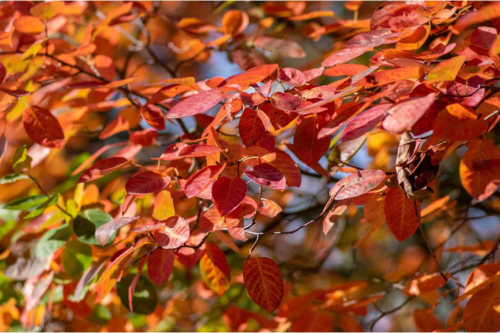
(447, 92)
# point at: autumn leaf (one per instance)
(400, 214)
(102, 168)
(42, 127)
(479, 176)
(403, 116)
(164, 206)
(215, 269)
(175, 233)
(446, 70)
(228, 193)
(195, 104)
(202, 180)
(481, 313)
(146, 182)
(267, 175)
(160, 266)
(105, 231)
(253, 125)
(263, 282)
(357, 184)
(307, 146)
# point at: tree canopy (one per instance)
(249, 166)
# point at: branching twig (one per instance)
(426, 243)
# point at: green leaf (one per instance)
(76, 257)
(26, 203)
(39, 210)
(100, 314)
(13, 177)
(86, 223)
(52, 240)
(21, 160)
(144, 299)
(7, 289)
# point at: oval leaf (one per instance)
(228, 193)
(263, 281)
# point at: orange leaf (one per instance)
(482, 312)
(234, 22)
(479, 175)
(400, 214)
(426, 320)
(263, 282)
(458, 123)
(269, 208)
(29, 25)
(313, 15)
(215, 269)
(424, 284)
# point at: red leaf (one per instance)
(345, 113)
(228, 193)
(195, 104)
(160, 266)
(263, 281)
(253, 125)
(291, 103)
(105, 231)
(267, 175)
(144, 138)
(215, 269)
(356, 46)
(286, 165)
(364, 122)
(42, 127)
(278, 118)
(313, 73)
(175, 233)
(131, 288)
(292, 76)
(102, 168)
(307, 146)
(400, 214)
(357, 184)
(146, 182)
(153, 116)
(202, 179)
(403, 116)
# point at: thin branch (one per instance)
(426, 243)
(385, 313)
